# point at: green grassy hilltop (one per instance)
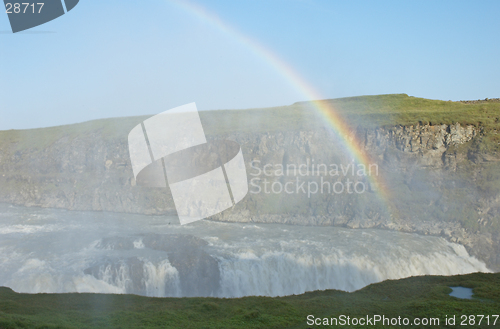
(361, 111)
(417, 297)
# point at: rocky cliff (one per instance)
(423, 178)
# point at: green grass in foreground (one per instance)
(413, 297)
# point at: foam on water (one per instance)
(157, 277)
(64, 252)
(27, 229)
(304, 266)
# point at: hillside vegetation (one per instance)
(417, 297)
(362, 111)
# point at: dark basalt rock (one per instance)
(198, 271)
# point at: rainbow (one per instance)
(326, 111)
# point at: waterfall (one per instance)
(56, 252)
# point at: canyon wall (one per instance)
(426, 179)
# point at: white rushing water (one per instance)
(54, 251)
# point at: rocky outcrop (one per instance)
(482, 101)
(195, 270)
(420, 138)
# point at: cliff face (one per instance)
(429, 179)
(91, 172)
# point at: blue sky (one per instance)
(112, 58)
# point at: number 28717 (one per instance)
(23, 8)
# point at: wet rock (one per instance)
(127, 273)
(198, 272)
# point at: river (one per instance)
(56, 251)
